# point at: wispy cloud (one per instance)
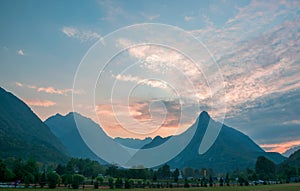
(136, 79)
(82, 35)
(113, 11)
(52, 90)
(49, 89)
(21, 52)
(292, 122)
(149, 16)
(19, 84)
(255, 64)
(40, 103)
(188, 18)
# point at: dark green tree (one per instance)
(127, 184)
(119, 183)
(6, 174)
(60, 169)
(52, 179)
(67, 179)
(176, 175)
(112, 171)
(28, 178)
(2, 171)
(111, 182)
(265, 168)
(210, 181)
(100, 179)
(221, 181)
(164, 172)
(154, 178)
(43, 179)
(186, 183)
(18, 169)
(188, 172)
(227, 181)
(31, 170)
(77, 179)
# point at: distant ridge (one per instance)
(293, 160)
(290, 151)
(232, 149)
(24, 135)
(64, 127)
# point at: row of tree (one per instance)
(77, 171)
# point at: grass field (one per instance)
(278, 187)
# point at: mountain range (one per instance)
(231, 150)
(24, 135)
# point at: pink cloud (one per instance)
(40, 103)
(52, 90)
(142, 119)
(49, 90)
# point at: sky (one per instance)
(152, 89)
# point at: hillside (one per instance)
(294, 159)
(64, 127)
(231, 150)
(24, 135)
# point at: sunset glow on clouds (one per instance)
(281, 147)
(40, 103)
(49, 90)
(254, 43)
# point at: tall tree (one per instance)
(176, 175)
(53, 179)
(265, 168)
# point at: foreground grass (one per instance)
(278, 187)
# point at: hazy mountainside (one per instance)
(24, 135)
(231, 150)
(293, 160)
(290, 151)
(64, 127)
(133, 143)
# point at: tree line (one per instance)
(79, 172)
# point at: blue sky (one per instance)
(255, 44)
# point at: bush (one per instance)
(119, 183)
(186, 183)
(77, 179)
(52, 179)
(100, 179)
(128, 184)
(111, 183)
(96, 185)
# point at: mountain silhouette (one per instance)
(64, 127)
(231, 150)
(24, 135)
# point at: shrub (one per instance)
(77, 179)
(52, 179)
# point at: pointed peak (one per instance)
(204, 115)
(72, 113)
(58, 115)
